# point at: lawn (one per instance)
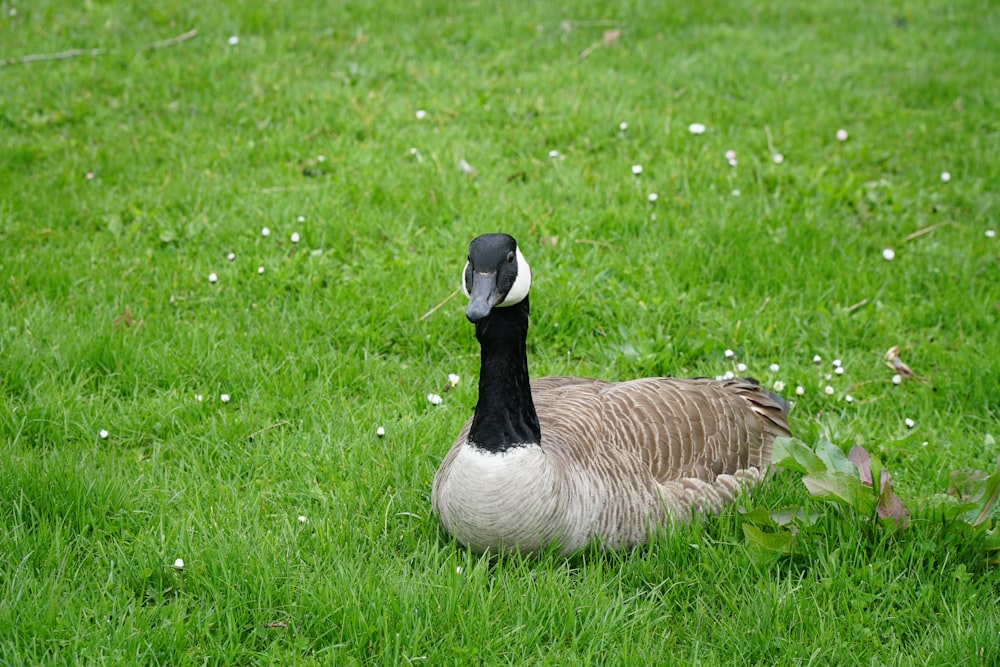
(175, 383)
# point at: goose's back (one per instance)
(679, 428)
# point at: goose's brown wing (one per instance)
(693, 428)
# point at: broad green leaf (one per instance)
(843, 488)
(942, 507)
(977, 488)
(782, 543)
(991, 540)
(794, 455)
(835, 459)
(966, 483)
(794, 515)
(760, 516)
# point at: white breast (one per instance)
(498, 500)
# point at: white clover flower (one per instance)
(301, 218)
(800, 391)
(730, 154)
(380, 431)
(295, 237)
(817, 358)
(778, 158)
(729, 354)
(420, 114)
(466, 168)
(945, 177)
(636, 169)
(736, 193)
(233, 41)
(623, 126)
(453, 379)
(841, 135)
(434, 399)
(302, 518)
(779, 385)
(321, 158)
(897, 379)
(265, 232)
(888, 254)
(260, 270)
(179, 563)
(90, 176)
(224, 398)
(732, 162)
(909, 423)
(652, 197)
(991, 233)
(103, 434)
(836, 363)
(741, 367)
(774, 368)
(839, 370)
(728, 375)
(696, 128)
(849, 398)
(828, 390)
(231, 256)
(553, 154)
(212, 278)
(199, 398)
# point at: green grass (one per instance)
(195, 147)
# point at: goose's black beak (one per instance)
(483, 296)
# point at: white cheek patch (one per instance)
(521, 284)
(465, 288)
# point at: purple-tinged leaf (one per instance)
(889, 504)
(991, 491)
(862, 460)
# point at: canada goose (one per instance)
(571, 460)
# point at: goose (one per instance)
(562, 462)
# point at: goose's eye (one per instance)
(510, 257)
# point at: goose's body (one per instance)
(573, 460)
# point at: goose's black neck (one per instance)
(505, 414)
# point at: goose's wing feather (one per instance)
(680, 428)
(697, 428)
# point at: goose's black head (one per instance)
(496, 275)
